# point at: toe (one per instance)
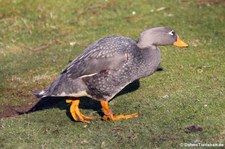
(69, 101)
(118, 117)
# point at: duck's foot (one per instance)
(109, 115)
(75, 112)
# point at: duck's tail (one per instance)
(49, 90)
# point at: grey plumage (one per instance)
(109, 64)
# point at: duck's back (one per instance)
(109, 45)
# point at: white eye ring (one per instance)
(171, 33)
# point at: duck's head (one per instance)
(160, 36)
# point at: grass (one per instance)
(39, 38)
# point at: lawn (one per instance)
(182, 105)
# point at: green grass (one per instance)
(36, 43)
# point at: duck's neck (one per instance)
(143, 43)
(151, 58)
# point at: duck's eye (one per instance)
(172, 33)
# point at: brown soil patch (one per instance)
(9, 111)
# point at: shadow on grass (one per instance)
(85, 102)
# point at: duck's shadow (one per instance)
(85, 102)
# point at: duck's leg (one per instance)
(109, 115)
(75, 111)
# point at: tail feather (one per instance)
(41, 94)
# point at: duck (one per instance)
(108, 65)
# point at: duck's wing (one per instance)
(103, 55)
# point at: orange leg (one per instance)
(75, 112)
(109, 115)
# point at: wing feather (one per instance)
(105, 54)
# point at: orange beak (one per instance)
(180, 43)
